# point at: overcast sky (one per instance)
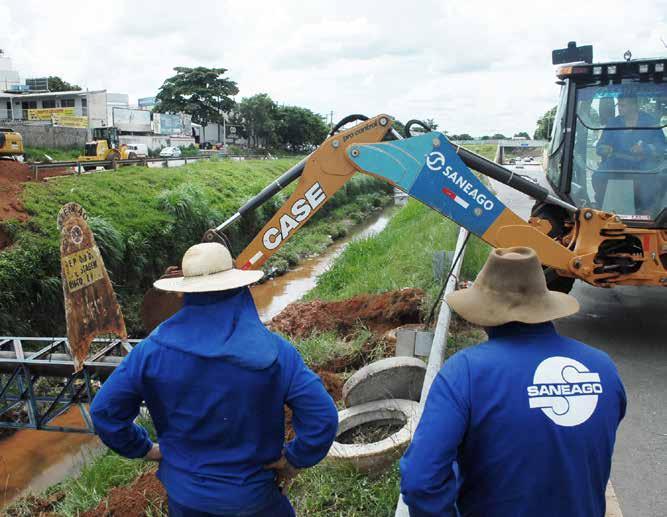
(474, 66)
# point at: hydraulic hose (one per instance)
(509, 178)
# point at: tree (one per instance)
(431, 123)
(499, 136)
(299, 128)
(259, 113)
(522, 134)
(56, 84)
(544, 125)
(201, 92)
(462, 136)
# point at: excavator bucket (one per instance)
(91, 308)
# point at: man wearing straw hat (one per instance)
(215, 381)
(523, 424)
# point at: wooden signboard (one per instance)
(91, 308)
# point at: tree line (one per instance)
(207, 95)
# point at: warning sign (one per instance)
(82, 268)
(91, 307)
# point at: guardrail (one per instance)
(79, 166)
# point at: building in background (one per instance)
(9, 78)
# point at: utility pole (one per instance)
(331, 120)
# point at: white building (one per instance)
(9, 78)
(96, 105)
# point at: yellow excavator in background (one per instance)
(11, 144)
(105, 146)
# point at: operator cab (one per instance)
(609, 139)
(108, 134)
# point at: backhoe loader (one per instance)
(105, 146)
(11, 144)
(601, 220)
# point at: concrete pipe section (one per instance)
(376, 456)
(391, 378)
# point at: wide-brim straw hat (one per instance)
(208, 267)
(511, 287)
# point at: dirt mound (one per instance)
(377, 312)
(144, 494)
(39, 506)
(12, 176)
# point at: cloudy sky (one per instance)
(475, 66)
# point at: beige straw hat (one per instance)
(511, 287)
(208, 267)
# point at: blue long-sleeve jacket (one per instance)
(529, 418)
(215, 382)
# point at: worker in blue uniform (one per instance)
(215, 382)
(524, 424)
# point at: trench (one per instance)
(31, 461)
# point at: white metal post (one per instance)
(439, 347)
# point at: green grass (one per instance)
(36, 154)
(144, 220)
(401, 255)
(329, 490)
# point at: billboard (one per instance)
(69, 121)
(147, 102)
(172, 124)
(47, 113)
(126, 119)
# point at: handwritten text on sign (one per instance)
(82, 269)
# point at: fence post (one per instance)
(439, 347)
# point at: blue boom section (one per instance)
(427, 168)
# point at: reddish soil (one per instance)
(377, 312)
(145, 493)
(12, 176)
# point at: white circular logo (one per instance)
(565, 390)
(435, 161)
(76, 234)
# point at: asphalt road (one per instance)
(630, 324)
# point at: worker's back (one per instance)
(535, 423)
(215, 382)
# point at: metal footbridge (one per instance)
(38, 383)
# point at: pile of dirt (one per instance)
(12, 176)
(39, 506)
(377, 312)
(145, 494)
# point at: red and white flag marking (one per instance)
(253, 260)
(458, 200)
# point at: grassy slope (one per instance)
(144, 219)
(400, 256)
(36, 154)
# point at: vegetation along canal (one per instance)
(35, 460)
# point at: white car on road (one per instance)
(170, 152)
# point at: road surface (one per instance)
(630, 324)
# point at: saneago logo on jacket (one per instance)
(565, 390)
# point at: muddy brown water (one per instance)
(31, 461)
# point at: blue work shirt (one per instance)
(215, 381)
(529, 417)
(623, 140)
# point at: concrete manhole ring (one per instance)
(390, 378)
(370, 457)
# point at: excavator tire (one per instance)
(113, 157)
(556, 216)
(555, 282)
